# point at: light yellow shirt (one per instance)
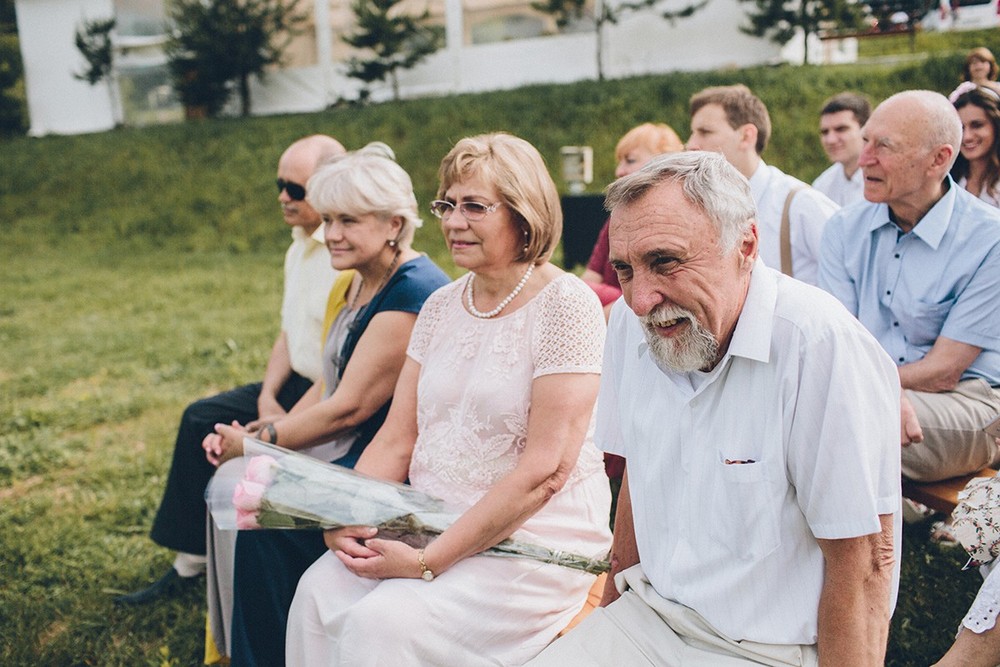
(308, 278)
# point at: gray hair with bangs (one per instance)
(366, 181)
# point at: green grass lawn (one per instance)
(140, 270)
(101, 351)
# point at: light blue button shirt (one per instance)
(940, 279)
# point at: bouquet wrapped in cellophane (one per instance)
(281, 488)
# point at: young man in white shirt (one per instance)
(840, 123)
(733, 121)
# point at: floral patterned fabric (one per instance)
(976, 522)
(976, 519)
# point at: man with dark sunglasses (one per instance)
(294, 364)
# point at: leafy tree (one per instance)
(217, 45)
(13, 117)
(395, 41)
(567, 11)
(780, 20)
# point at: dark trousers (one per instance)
(268, 566)
(180, 520)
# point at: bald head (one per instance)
(315, 148)
(926, 115)
(910, 143)
(296, 166)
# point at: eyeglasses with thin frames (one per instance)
(295, 191)
(473, 211)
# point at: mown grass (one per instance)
(142, 269)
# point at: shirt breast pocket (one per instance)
(922, 322)
(737, 511)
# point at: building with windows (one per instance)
(490, 45)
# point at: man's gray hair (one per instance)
(707, 180)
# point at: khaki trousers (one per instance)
(641, 628)
(954, 442)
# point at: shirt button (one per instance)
(888, 292)
(895, 324)
(901, 360)
(896, 255)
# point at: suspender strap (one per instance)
(785, 237)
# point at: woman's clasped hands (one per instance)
(370, 557)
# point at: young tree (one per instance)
(566, 11)
(394, 41)
(93, 41)
(217, 45)
(780, 20)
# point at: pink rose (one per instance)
(247, 495)
(246, 520)
(260, 469)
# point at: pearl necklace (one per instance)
(470, 296)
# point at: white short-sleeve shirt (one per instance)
(308, 279)
(733, 474)
(809, 211)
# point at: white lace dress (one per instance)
(474, 395)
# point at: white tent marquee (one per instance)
(57, 102)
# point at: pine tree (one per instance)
(13, 111)
(393, 41)
(217, 45)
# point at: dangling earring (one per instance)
(525, 251)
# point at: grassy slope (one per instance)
(141, 269)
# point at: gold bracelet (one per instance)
(425, 572)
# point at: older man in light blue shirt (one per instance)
(919, 265)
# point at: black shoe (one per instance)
(166, 586)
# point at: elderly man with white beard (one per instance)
(758, 521)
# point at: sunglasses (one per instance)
(472, 211)
(295, 191)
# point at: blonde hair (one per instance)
(655, 138)
(366, 181)
(516, 169)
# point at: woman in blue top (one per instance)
(369, 213)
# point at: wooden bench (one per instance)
(941, 496)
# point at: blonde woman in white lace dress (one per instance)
(492, 412)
